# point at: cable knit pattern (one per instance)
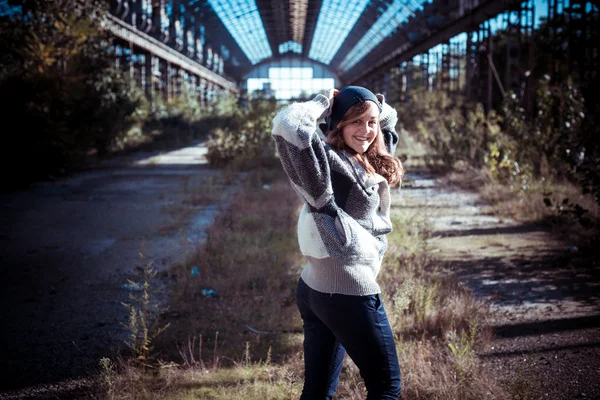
(343, 224)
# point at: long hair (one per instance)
(376, 159)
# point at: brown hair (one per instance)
(376, 159)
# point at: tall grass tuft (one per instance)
(144, 311)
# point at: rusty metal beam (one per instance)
(407, 50)
(146, 42)
(312, 14)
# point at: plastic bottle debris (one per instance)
(195, 271)
(251, 329)
(132, 286)
(266, 187)
(209, 292)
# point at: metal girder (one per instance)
(411, 28)
(275, 18)
(392, 52)
(312, 14)
(132, 35)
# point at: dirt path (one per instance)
(68, 247)
(544, 294)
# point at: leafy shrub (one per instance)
(247, 136)
(552, 141)
(160, 123)
(455, 130)
(61, 95)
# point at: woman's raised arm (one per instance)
(302, 151)
(388, 120)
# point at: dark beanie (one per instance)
(346, 98)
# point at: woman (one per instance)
(344, 182)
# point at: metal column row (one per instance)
(145, 29)
(473, 67)
(159, 77)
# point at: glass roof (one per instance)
(396, 14)
(336, 20)
(242, 20)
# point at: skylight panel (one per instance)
(396, 14)
(290, 46)
(242, 20)
(336, 19)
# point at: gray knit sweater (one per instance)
(343, 224)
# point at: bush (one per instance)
(165, 124)
(455, 130)
(247, 136)
(61, 95)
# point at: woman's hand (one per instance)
(331, 96)
(388, 117)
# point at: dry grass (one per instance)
(246, 342)
(511, 201)
(250, 259)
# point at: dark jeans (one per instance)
(335, 324)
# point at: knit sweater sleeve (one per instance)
(388, 120)
(302, 151)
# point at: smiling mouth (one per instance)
(361, 139)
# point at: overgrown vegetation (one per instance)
(164, 124)
(61, 95)
(529, 149)
(246, 139)
(525, 166)
(63, 99)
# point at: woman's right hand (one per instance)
(331, 96)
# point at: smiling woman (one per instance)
(342, 232)
(359, 132)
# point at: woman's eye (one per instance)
(372, 123)
(357, 121)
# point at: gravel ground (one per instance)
(544, 294)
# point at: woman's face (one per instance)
(361, 132)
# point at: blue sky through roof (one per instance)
(336, 20)
(242, 20)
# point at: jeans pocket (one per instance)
(375, 302)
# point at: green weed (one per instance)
(144, 311)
